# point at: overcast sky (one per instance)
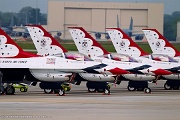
(15, 5)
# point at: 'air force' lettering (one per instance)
(13, 61)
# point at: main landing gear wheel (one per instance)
(167, 87)
(48, 91)
(61, 92)
(10, 90)
(107, 92)
(147, 90)
(131, 88)
(91, 90)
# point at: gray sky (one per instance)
(15, 5)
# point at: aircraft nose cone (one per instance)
(162, 72)
(118, 71)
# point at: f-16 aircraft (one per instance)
(47, 45)
(92, 45)
(17, 65)
(86, 44)
(129, 31)
(124, 44)
(160, 46)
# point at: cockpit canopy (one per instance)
(74, 56)
(119, 57)
(163, 58)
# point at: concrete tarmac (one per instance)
(78, 104)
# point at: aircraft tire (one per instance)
(147, 90)
(167, 87)
(91, 90)
(61, 92)
(48, 91)
(106, 91)
(10, 90)
(131, 88)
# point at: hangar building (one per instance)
(96, 16)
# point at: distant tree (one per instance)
(0, 18)
(43, 20)
(176, 14)
(170, 25)
(29, 15)
(169, 31)
(6, 19)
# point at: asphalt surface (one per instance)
(78, 104)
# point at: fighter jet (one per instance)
(125, 45)
(17, 65)
(142, 72)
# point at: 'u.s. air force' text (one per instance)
(13, 61)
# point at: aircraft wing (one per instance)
(137, 36)
(174, 69)
(137, 69)
(92, 68)
(98, 34)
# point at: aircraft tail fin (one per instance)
(118, 24)
(124, 44)
(44, 42)
(10, 49)
(159, 44)
(131, 24)
(85, 43)
(12, 21)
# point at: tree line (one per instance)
(29, 15)
(170, 25)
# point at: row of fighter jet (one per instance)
(53, 65)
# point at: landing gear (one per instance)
(48, 91)
(166, 86)
(61, 92)
(130, 88)
(59, 88)
(9, 90)
(98, 86)
(139, 86)
(147, 90)
(107, 92)
(91, 90)
(172, 84)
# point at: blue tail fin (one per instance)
(118, 26)
(131, 24)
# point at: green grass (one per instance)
(70, 46)
(26, 45)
